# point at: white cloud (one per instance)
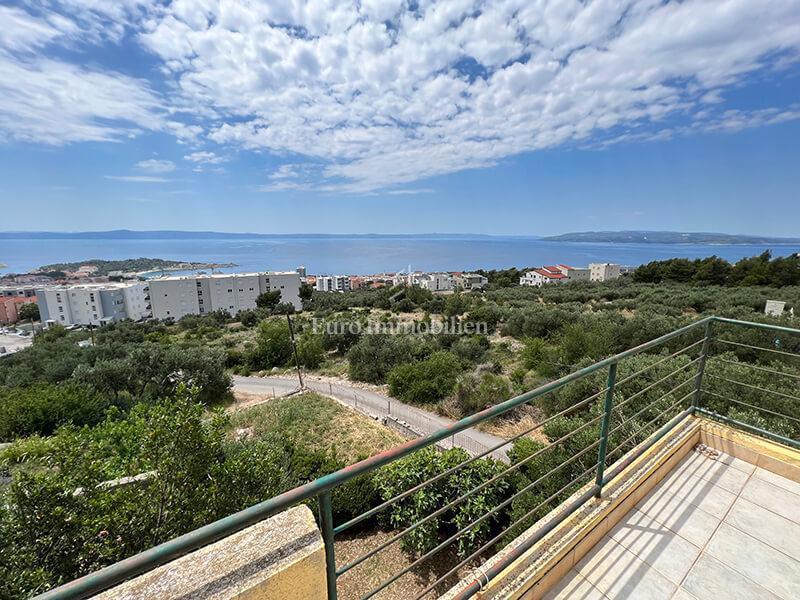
(137, 178)
(381, 93)
(457, 85)
(153, 165)
(205, 157)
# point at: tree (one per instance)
(310, 351)
(374, 356)
(273, 344)
(283, 308)
(28, 312)
(425, 381)
(269, 300)
(305, 293)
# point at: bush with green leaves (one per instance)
(426, 381)
(476, 391)
(273, 345)
(41, 409)
(374, 356)
(405, 473)
(61, 521)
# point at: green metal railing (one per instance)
(697, 391)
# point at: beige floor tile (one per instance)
(736, 463)
(574, 587)
(763, 564)
(772, 497)
(685, 519)
(682, 594)
(774, 530)
(621, 575)
(710, 579)
(777, 480)
(694, 490)
(662, 549)
(715, 471)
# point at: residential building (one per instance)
(434, 282)
(333, 283)
(469, 281)
(575, 273)
(604, 271)
(93, 304)
(174, 297)
(543, 276)
(9, 307)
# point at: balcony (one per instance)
(671, 470)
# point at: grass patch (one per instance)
(321, 424)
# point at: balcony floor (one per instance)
(713, 529)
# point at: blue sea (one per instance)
(360, 255)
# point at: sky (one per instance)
(524, 117)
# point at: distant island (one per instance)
(128, 265)
(129, 234)
(667, 237)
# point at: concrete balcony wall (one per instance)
(281, 557)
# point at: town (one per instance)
(85, 298)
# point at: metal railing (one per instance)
(627, 422)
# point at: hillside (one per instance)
(666, 237)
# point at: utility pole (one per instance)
(294, 350)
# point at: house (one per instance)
(604, 271)
(470, 281)
(543, 276)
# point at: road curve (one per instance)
(372, 403)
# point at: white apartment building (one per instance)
(604, 271)
(333, 283)
(435, 282)
(174, 297)
(93, 304)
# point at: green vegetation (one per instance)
(758, 270)
(128, 265)
(142, 398)
(28, 312)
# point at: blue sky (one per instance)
(505, 116)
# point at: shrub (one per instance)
(426, 381)
(273, 344)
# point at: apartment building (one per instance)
(174, 297)
(434, 282)
(470, 281)
(333, 283)
(604, 271)
(93, 304)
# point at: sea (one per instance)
(361, 255)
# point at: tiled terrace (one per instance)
(716, 528)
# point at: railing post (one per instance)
(326, 521)
(701, 366)
(607, 409)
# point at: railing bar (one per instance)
(663, 360)
(474, 490)
(495, 539)
(766, 370)
(650, 422)
(754, 325)
(660, 381)
(754, 387)
(753, 406)
(636, 414)
(452, 470)
(792, 354)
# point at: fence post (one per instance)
(326, 521)
(701, 367)
(607, 409)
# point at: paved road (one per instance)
(471, 440)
